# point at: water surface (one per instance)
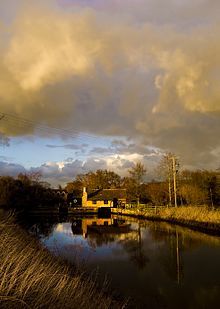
(156, 265)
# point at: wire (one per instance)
(21, 122)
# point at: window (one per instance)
(106, 202)
(94, 202)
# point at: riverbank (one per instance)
(200, 218)
(30, 277)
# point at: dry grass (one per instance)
(202, 217)
(30, 277)
(191, 214)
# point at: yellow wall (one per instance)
(101, 203)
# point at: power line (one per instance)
(21, 122)
(38, 125)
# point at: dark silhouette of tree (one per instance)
(24, 193)
(101, 179)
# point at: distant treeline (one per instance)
(25, 192)
(200, 187)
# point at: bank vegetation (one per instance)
(30, 277)
(201, 218)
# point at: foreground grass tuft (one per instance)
(30, 277)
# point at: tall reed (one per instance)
(30, 277)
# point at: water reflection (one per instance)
(158, 265)
(100, 226)
(134, 246)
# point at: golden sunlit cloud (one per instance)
(108, 75)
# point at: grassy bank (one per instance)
(30, 277)
(201, 218)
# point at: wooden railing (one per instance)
(83, 209)
(141, 210)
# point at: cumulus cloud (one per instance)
(11, 169)
(62, 172)
(187, 12)
(126, 148)
(155, 79)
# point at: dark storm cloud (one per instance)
(150, 72)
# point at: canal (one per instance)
(152, 264)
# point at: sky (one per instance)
(88, 84)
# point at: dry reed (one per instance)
(30, 277)
(191, 213)
(202, 218)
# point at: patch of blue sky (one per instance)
(35, 151)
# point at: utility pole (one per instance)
(169, 183)
(168, 166)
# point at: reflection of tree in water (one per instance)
(131, 242)
(98, 240)
(179, 240)
(41, 226)
(76, 227)
(171, 259)
(134, 248)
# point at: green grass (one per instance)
(30, 277)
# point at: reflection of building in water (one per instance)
(102, 231)
(87, 223)
(87, 226)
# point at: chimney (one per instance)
(84, 197)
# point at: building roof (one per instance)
(107, 194)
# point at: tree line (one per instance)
(25, 192)
(173, 186)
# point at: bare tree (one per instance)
(137, 173)
(168, 168)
